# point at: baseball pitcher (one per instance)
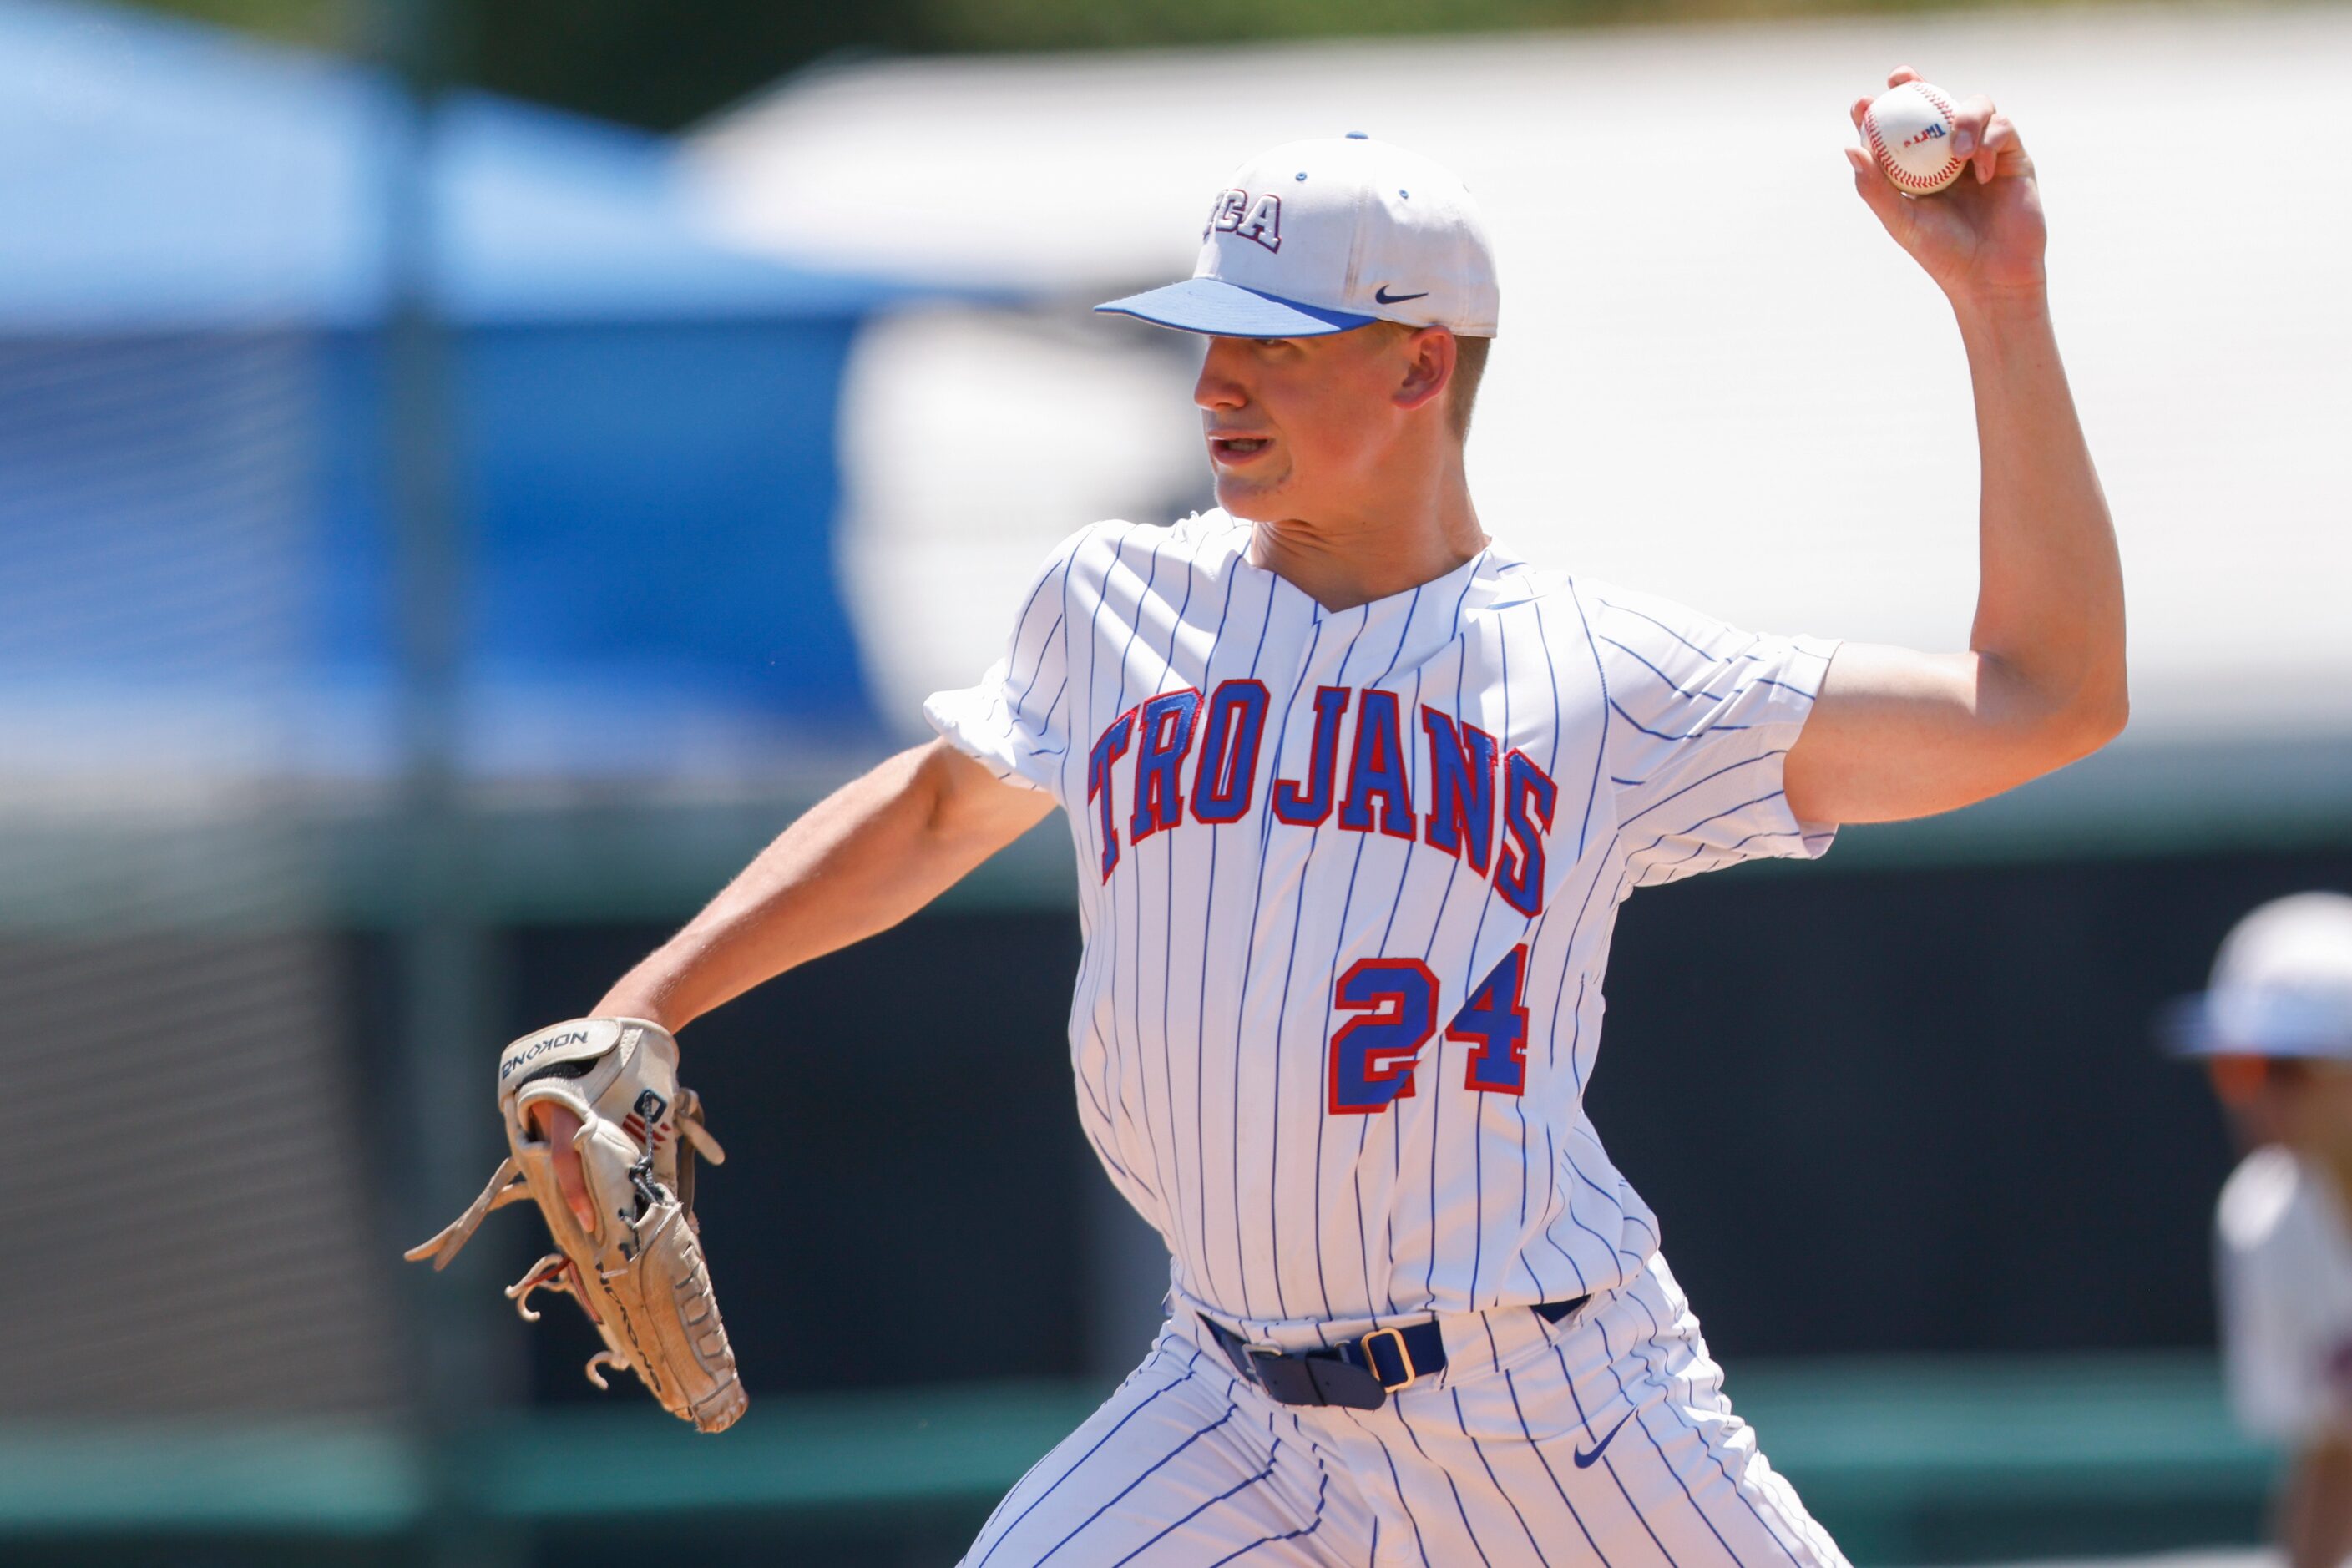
(1354, 791)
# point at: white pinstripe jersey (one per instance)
(1348, 882)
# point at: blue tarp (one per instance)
(159, 175)
(193, 469)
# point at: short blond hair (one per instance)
(1469, 370)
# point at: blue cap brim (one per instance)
(2195, 1027)
(1223, 309)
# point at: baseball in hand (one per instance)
(1909, 129)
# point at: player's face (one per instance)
(2304, 1105)
(1304, 427)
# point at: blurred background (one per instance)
(472, 470)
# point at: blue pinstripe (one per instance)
(1703, 730)
(1609, 1464)
(1584, 833)
(1097, 956)
(1404, 634)
(1062, 621)
(1729, 852)
(1282, 1015)
(1535, 936)
(1445, 895)
(1550, 1474)
(1044, 645)
(1116, 1063)
(1467, 1528)
(1259, 790)
(1392, 1127)
(1168, 1167)
(1609, 1248)
(1641, 1426)
(1681, 690)
(1658, 1378)
(1616, 608)
(1322, 1489)
(1470, 977)
(1601, 742)
(1163, 1461)
(1232, 1491)
(1478, 1448)
(1241, 992)
(1168, 960)
(1396, 1481)
(1091, 1452)
(1018, 704)
(1695, 783)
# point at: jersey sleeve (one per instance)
(2266, 1347)
(1700, 717)
(1016, 721)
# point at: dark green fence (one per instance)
(1908, 1462)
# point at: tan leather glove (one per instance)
(638, 1273)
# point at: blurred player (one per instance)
(1355, 792)
(2275, 1031)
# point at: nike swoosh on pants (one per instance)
(1585, 1462)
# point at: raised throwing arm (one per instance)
(1897, 734)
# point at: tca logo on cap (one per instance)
(1236, 213)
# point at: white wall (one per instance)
(1715, 377)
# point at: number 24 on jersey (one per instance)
(1394, 1004)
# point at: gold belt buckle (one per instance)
(1404, 1359)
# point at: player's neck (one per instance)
(1353, 558)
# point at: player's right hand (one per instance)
(1980, 238)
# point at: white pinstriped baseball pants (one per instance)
(1187, 1464)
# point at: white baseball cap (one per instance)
(2282, 986)
(1321, 237)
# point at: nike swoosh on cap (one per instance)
(1382, 295)
(1585, 1462)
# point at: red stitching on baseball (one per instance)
(1928, 182)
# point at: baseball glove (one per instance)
(639, 1276)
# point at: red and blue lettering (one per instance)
(1226, 775)
(1461, 789)
(1376, 770)
(1496, 1018)
(1167, 726)
(1228, 730)
(1529, 798)
(1108, 750)
(1394, 1001)
(1309, 807)
(1395, 1004)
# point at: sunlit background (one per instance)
(472, 470)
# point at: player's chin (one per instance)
(1250, 498)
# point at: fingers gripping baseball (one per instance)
(1971, 214)
(1984, 136)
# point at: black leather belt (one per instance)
(1359, 1374)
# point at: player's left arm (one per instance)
(1896, 734)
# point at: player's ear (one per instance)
(1427, 359)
